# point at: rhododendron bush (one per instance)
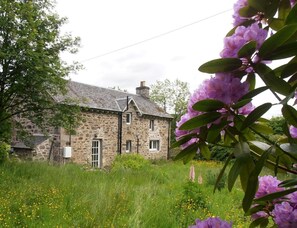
(221, 111)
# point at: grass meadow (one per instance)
(151, 195)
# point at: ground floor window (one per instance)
(154, 145)
(96, 153)
(128, 146)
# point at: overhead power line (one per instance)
(154, 37)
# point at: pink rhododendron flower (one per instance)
(247, 109)
(223, 87)
(211, 223)
(268, 184)
(242, 35)
(293, 131)
(285, 215)
(237, 6)
(179, 133)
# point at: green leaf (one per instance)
(251, 79)
(277, 40)
(274, 83)
(242, 154)
(290, 114)
(247, 50)
(262, 128)
(245, 172)
(293, 80)
(255, 115)
(284, 9)
(221, 65)
(262, 222)
(188, 153)
(241, 149)
(258, 5)
(290, 148)
(200, 120)
(241, 103)
(271, 8)
(246, 23)
(259, 147)
(214, 131)
(204, 150)
(275, 195)
(208, 105)
(288, 69)
(284, 158)
(223, 171)
(254, 92)
(255, 209)
(183, 140)
(276, 23)
(288, 183)
(248, 12)
(282, 52)
(291, 18)
(235, 171)
(253, 182)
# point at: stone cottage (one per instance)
(113, 122)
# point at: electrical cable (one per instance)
(154, 37)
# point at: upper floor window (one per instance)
(128, 118)
(152, 125)
(128, 146)
(154, 145)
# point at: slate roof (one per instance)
(34, 141)
(110, 99)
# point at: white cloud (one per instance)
(119, 27)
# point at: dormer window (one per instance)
(128, 118)
(152, 125)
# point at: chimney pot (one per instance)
(143, 90)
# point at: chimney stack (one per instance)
(143, 90)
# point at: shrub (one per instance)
(191, 201)
(4, 150)
(211, 179)
(219, 153)
(129, 161)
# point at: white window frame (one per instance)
(128, 146)
(152, 125)
(128, 118)
(154, 145)
(96, 153)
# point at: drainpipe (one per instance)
(168, 140)
(120, 127)
(120, 131)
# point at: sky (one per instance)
(125, 42)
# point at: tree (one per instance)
(277, 125)
(220, 112)
(172, 96)
(31, 70)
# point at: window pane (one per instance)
(95, 156)
(128, 118)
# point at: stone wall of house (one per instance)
(95, 125)
(140, 134)
(103, 126)
(40, 146)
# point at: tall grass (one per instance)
(41, 195)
